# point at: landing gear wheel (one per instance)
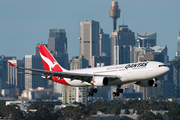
(155, 85)
(95, 90)
(91, 90)
(114, 94)
(118, 91)
(92, 93)
(121, 90)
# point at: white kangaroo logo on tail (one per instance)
(49, 62)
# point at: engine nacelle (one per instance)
(100, 81)
(147, 83)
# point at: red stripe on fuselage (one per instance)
(62, 81)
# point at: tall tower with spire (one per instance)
(114, 12)
(178, 46)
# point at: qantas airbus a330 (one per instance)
(144, 74)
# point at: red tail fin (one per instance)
(48, 60)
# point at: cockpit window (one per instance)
(162, 65)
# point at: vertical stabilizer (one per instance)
(48, 60)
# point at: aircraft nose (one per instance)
(167, 69)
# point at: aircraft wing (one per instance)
(72, 75)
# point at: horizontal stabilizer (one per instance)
(11, 64)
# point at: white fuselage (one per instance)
(125, 73)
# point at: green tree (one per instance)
(33, 106)
(12, 111)
(126, 111)
(2, 103)
(67, 111)
(50, 107)
(60, 118)
(31, 116)
(43, 114)
(174, 113)
(57, 115)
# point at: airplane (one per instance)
(144, 74)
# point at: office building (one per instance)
(34, 81)
(16, 76)
(178, 46)
(168, 88)
(147, 39)
(173, 76)
(100, 61)
(125, 53)
(161, 53)
(89, 39)
(37, 49)
(57, 45)
(158, 53)
(104, 44)
(145, 57)
(78, 62)
(123, 36)
(37, 93)
(4, 70)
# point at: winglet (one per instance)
(12, 65)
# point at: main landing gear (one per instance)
(92, 91)
(155, 82)
(118, 91)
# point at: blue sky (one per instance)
(24, 23)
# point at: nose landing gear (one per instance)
(155, 82)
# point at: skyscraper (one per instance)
(104, 44)
(89, 39)
(147, 39)
(174, 74)
(14, 76)
(4, 70)
(123, 36)
(178, 46)
(78, 62)
(33, 81)
(57, 45)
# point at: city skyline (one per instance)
(22, 26)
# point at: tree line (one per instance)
(46, 111)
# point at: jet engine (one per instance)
(147, 83)
(100, 81)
